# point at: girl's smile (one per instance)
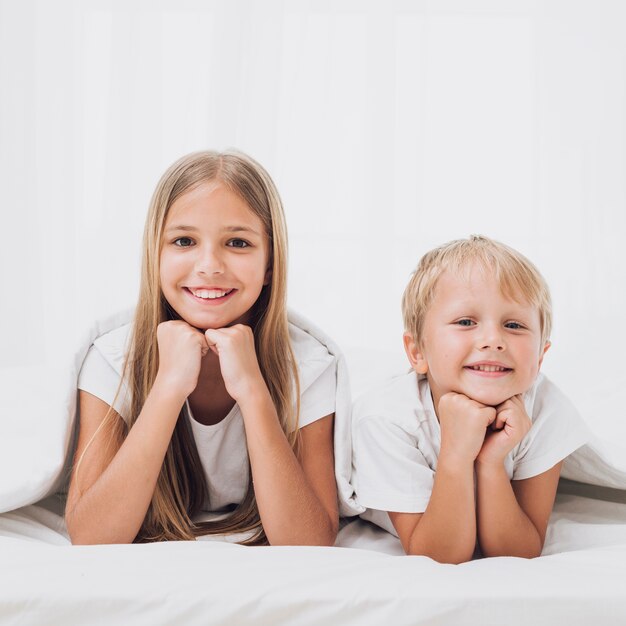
(209, 295)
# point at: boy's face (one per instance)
(476, 341)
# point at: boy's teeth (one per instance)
(488, 368)
(209, 294)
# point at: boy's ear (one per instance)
(416, 358)
(545, 349)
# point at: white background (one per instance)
(389, 128)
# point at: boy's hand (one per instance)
(464, 423)
(508, 429)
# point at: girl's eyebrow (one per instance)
(244, 229)
(228, 229)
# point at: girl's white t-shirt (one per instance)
(222, 447)
(396, 439)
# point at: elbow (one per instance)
(323, 535)
(329, 537)
(77, 533)
(444, 559)
(84, 536)
(445, 556)
(89, 539)
(326, 533)
(80, 536)
(518, 551)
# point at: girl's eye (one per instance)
(465, 322)
(513, 325)
(183, 242)
(238, 243)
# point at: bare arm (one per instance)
(513, 516)
(297, 499)
(110, 494)
(446, 531)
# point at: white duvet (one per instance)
(580, 579)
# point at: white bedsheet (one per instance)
(580, 580)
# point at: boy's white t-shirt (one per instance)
(222, 447)
(396, 439)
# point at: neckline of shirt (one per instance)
(195, 424)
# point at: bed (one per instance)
(364, 579)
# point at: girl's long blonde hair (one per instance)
(181, 488)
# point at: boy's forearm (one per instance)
(446, 531)
(503, 527)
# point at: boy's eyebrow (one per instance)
(227, 229)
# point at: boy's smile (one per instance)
(214, 257)
(476, 340)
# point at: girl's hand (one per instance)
(509, 428)
(464, 423)
(238, 361)
(181, 348)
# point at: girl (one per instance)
(221, 404)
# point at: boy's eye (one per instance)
(513, 325)
(238, 243)
(465, 322)
(183, 242)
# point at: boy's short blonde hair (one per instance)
(518, 278)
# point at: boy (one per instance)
(467, 447)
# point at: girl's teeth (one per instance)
(209, 294)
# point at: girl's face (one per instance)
(214, 257)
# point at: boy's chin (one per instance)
(489, 398)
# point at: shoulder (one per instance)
(396, 402)
(101, 371)
(557, 430)
(113, 346)
(545, 399)
(311, 353)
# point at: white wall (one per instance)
(388, 127)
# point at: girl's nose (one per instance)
(209, 261)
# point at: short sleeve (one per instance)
(98, 378)
(318, 399)
(390, 471)
(556, 432)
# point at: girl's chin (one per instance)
(214, 322)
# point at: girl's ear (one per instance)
(416, 358)
(268, 277)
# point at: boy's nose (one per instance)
(492, 339)
(489, 346)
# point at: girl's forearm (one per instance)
(290, 511)
(446, 532)
(503, 527)
(112, 510)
